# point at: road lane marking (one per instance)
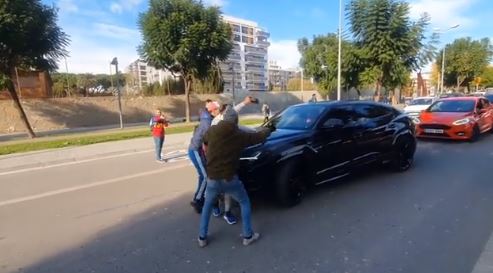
(175, 158)
(87, 186)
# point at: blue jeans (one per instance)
(236, 190)
(158, 145)
(198, 161)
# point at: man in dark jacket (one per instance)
(224, 143)
(196, 154)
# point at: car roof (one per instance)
(427, 97)
(461, 98)
(345, 102)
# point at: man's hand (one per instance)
(247, 100)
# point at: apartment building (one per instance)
(279, 77)
(247, 65)
(144, 74)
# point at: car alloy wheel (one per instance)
(290, 185)
(404, 154)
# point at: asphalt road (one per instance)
(131, 214)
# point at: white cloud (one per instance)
(67, 6)
(285, 53)
(117, 32)
(124, 5)
(89, 56)
(217, 3)
(444, 13)
(116, 8)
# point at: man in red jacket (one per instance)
(157, 123)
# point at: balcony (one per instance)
(249, 68)
(250, 60)
(263, 33)
(263, 43)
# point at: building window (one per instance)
(235, 28)
(142, 67)
(244, 39)
(237, 38)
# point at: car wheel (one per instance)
(404, 154)
(475, 134)
(290, 185)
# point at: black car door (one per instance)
(371, 131)
(334, 145)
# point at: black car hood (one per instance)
(281, 134)
(276, 139)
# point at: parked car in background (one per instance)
(414, 107)
(316, 143)
(459, 118)
(489, 96)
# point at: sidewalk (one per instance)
(74, 154)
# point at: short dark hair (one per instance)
(208, 100)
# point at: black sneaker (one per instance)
(197, 206)
(230, 218)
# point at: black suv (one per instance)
(321, 142)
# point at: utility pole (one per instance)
(115, 63)
(339, 54)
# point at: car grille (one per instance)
(434, 126)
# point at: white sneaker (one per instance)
(251, 240)
(202, 243)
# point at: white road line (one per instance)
(73, 162)
(86, 186)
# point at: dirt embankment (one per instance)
(54, 114)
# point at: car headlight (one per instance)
(462, 121)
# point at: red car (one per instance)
(459, 118)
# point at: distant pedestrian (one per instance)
(266, 112)
(224, 143)
(313, 99)
(157, 125)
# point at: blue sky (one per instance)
(102, 29)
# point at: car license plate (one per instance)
(434, 131)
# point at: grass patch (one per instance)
(87, 138)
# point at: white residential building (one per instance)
(279, 77)
(144, 74)
(248, 61)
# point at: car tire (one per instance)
(404, 150)
(475, 134)
(290, 185)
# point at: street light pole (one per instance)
(302, 99)
(115, 63)
(443, 70)
(339, 57)
(443, 57)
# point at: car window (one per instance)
(338, 116)
(489, 97)
(486, 103)
(297, 117)
(421, 101)
(452, 106)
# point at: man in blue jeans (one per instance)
(196, 154)
(224, 143)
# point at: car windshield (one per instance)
(489, 97)
(452, 106)
(297, 117)
(422, 101)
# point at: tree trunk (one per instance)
(18, 105)
(188, 85)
